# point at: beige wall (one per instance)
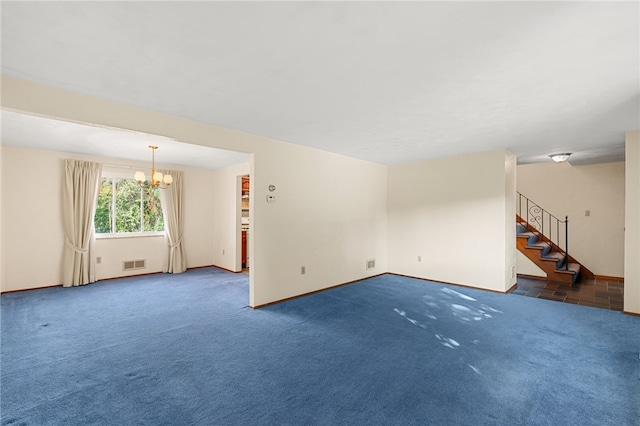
(524, 266)
(32, 218)
(329, 216)
(199, 200)
(510, 250)
(32, 214)
(457, 214)
(1, 224)
(330, 210)
(597, 240)
(331, 213)
(114, 251)
(632, 224)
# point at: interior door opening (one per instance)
(244, 223)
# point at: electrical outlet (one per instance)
(223, 252)
(303, 270)
(419, 258)
(587, 212)
(513, 272)
(99, 259)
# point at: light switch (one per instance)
(587, 212)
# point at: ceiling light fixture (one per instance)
(560, 158)
(157, 179)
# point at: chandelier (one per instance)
(158, 180)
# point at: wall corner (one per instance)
(632, 223)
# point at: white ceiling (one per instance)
(29, 131)
(388, 82)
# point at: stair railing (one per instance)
(536, 217)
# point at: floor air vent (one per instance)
(129, 265)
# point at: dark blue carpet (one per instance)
(185, 349)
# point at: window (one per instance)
(124, 207)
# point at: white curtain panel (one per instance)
(171, 201)
(79, 198)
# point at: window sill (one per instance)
(129, 235)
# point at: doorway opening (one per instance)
(245, 223)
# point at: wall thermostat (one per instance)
(272, 188)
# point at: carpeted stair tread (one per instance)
(554, 255)
(538, 245)
(527, 234)
(574, 268)
(542, 252)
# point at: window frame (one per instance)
(120, 175)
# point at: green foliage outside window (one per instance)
(124, 207)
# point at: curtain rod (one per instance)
(136, 167)
(121, 166)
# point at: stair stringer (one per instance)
(535, 255)
(536, 246)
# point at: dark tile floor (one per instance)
(596, 292)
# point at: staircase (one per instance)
(543, 246)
